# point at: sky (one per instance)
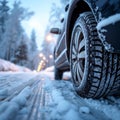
(39, 20)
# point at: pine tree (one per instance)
(21, 51)
(33, 41)
(14, 33)
(3, 16)
(57, 13)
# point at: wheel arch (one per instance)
(77, 7)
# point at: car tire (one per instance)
(58, 74)
(95, 72)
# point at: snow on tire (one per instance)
(95, 72)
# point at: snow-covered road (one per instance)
(37, 96)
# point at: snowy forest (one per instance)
(15, 45)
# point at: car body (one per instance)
(99, 20)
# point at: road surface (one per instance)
(37, 96)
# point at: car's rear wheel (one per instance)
(58, 74)
(95, 72)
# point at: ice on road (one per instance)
(37, 96)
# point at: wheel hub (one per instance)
(78, 56)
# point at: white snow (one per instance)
(49, 69)
(22, 97)
(8, 66)
(112, 111)
(85, 109)
(60, 103)
(110, 20)
(3, 93)
(72, 115)
(9, 109)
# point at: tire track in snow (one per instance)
(37, 103)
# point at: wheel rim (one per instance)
(77, 55)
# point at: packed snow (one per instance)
(9, 109)
(37, 96)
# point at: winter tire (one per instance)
(58, 74)
(95, 72)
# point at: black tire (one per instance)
(95, 72)
(58, 74)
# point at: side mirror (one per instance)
(55, 31)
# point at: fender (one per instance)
(101, 10)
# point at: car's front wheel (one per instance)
(95, 72)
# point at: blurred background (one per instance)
(24, 31)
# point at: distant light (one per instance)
(40, 55)
(50, 56)
(44, 58)
(49, 38)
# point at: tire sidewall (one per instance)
(84, 83)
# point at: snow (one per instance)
(8, 109)
(85, 110)
(8, 66)
(113, 111)
(9, 83)
(110, 20)
(50, 69)
(18, 99)
(3, 93)
(22, 97)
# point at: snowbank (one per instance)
(50, 72)
(8, 66)
(49, 69)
